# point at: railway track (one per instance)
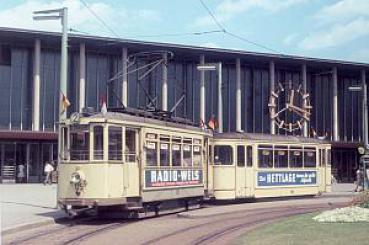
(217, 229)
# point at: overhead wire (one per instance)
(232, 34)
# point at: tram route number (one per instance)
(166, 178)
(286, 178)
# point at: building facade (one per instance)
(98, 67)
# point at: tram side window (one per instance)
(197, 155)
(265, 154)
(295, 158)
(240, 156)
(309, 158)
(281, 157)
(98, 143)
(151, 154)
(187, 155)
(164, 154)
(79, 143)
(249, 156)
(176, 155)
(223, 155)
(115, 143)
(130, 145)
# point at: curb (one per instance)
(31, 225)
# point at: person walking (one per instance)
(359, 179)
(21, 169)
(48, 169)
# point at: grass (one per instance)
(303, 230)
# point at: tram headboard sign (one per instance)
(281, 178)
(167, 178)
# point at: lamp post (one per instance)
(216, 67)
(62, 15)
(363, 88)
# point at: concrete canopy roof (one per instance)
(185, 52)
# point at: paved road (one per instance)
(214, 225)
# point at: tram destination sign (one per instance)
(282, 178)
(167, 178)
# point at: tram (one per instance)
(260, 165)
(136, 161)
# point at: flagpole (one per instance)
(63, 66)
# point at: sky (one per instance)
(331, 29)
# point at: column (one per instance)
(164, 85)
(335, 105)
(220, 99)
(238, 96)
(125, 76)
(82, 76)
(304, 87)
(36, 86)
(272, 98)
(202, 91)
(365, 108)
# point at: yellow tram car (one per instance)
(260, 165)
(136, 162)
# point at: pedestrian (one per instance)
(21, 173)
(359, 179)
(48, 169)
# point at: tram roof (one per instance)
(150, 119)
(268, 137)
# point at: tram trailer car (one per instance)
(261, 165)
(132, 163)
(129, 162)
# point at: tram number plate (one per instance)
(166, 178)
(281, 178)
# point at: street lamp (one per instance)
(214, 67)
(62, 15)
(363, 88)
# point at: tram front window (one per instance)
(98, 143)
(79, 143)
(115, 143)
(223, 155)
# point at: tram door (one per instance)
(244, 171)
(131, 178)
(322, 169)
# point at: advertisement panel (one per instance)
(281, 178)
(168, 178)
